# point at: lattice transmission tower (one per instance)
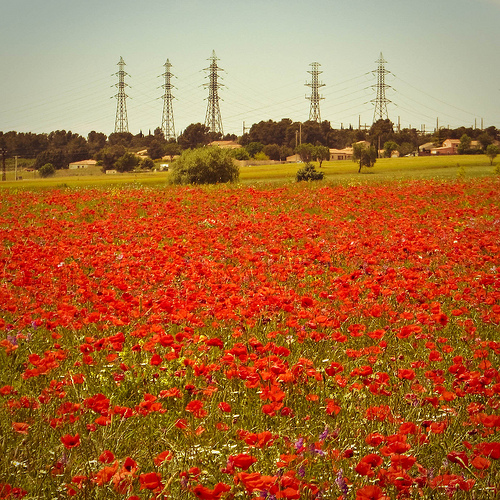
(167, 121)
(381, 101)
(213, 119)
(121, 120)
(314, 113)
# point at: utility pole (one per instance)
(121, 120)
(4, 172)
(314, 113)
(381, 101)
(15, 168)
(213, 118)
(245, 128)
(167, 121)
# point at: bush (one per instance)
(47, 170)
(126, 163)
(309, 173)
(209, 165)
(253, 148)
(147, 164)
(240, 154)
(261, 156)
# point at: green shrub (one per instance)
(47, 170)
(309, 173)
(261, 156)
(209, 165)
(240, 154)
(126, 163)
(147, 164)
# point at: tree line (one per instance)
(274, 140)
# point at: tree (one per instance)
(194, 136)
(285, 152)
(54, 156)
(485, 140)
(268, 132)
(273, 151)
(322, 153)
(306, 151)
(491, 152)
(171, 149)
(76, 149)
(464, 144)
(309, 173)
(253, 148)
(382, 131)
(108, 156)
(240, 154)
(316, 133)
(406, 148)
(389, 147)
(155, 150)
(209, 165)
(120, 138)
(47, 170)
(367, 156)
(261, 156)
(126, 163)
(96, 141)
(147, 164)
(60, 138)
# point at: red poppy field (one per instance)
(292, 342)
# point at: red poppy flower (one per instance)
(207, 494)
(225, 407)
(151, 481)
(162, 457)
(20, 427)
(196, 408)
(370, 492)
(480, 463)
(70, 441)
(106, 457)
(242, 461)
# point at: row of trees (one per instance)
(274, 140)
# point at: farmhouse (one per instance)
(345, 153)
(226, 144)
(450, 147)
(82, 164)
(341, 154)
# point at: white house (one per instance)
(82, 164)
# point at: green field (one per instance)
(441, 167)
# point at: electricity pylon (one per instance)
(167, 122)
(314, 113)
(213, 119)
(121, 120)
(381, 101)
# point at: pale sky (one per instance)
(58, 58)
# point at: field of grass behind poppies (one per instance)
(292, 342)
